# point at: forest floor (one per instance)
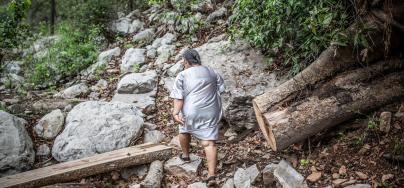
(352, 153)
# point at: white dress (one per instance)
(200, 88)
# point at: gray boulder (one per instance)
(245, 77)
(288, 177)
(102, 60)
(144, 36)
(16, 148)
(50, 125)
(137, 83)
(179, 168)
(43, 150)
(167, 39)
(132, 57)
(154, 176)
(229, 183)
(73, 91)
(143, 101)
(13, 67)
(125, 25)
(217, 15)
(175, 69)
(96, 127)
(243, 178)
(153, 136)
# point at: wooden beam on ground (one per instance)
(96, 164)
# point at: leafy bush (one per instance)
(293, 32)
(13, 29)
(72, 53)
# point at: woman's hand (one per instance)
(178, 118)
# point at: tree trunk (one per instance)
(130, 5)
(329, 103)
(53, 17)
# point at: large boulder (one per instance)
(50, 125)
(137, 83)
(126, 25)
(102, 60)
(245, 76)
(73, 91)
(16, 148)
(133, 57)
(144, 36)
(96, 127)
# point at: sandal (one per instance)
(185, 159)
(211, 181)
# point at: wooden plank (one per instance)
(100, 163)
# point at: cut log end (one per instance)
(265, 128)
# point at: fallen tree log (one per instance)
(302, 112)
(72, 170)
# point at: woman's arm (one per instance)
(178, 103)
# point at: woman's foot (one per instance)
(210, 181)
(185, 159)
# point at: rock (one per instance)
(102, 60)
(175, 141)
(164, 53)
(43, 150)
(139, 171)
(342, 170)
(133, 57)
(359, 186)
(153, 136)
(361, 175)
(138, 83)
(175, 166)
(40, 46)
(385, 122)
(154, 176)
(149, 126)
(400, 112)
(387, 177)
(50, 125)
(268, 175)
(314, 177)
(96, 127)
(16, 147)
(229, 183)
(347, 183)
(126, 25)
(73, 91)
(338, 182)
(144, 36)
(94, 96)
(167, 39)
(217, 15)
(136, 26)
(151, 53)
(175, 69)
(13, 67)
(287, 176)
(244, 178)
(198, 185)
(101, 85)
(235, 62)
(204, 7)
(168, 83)
(143, 101)
(230, 132)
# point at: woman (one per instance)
(198, 108)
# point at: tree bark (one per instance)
(53, 17)
(289, 116)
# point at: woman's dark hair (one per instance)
(192, 57)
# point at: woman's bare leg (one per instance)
(185, 139)
(211, 156)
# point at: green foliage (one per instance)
(293, 32)
(71, 54)
(136, 68)
(83, 14)
(372, 124)
(3, 107)
(304, 162)
(13, 29)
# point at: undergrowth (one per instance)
(291, 33)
